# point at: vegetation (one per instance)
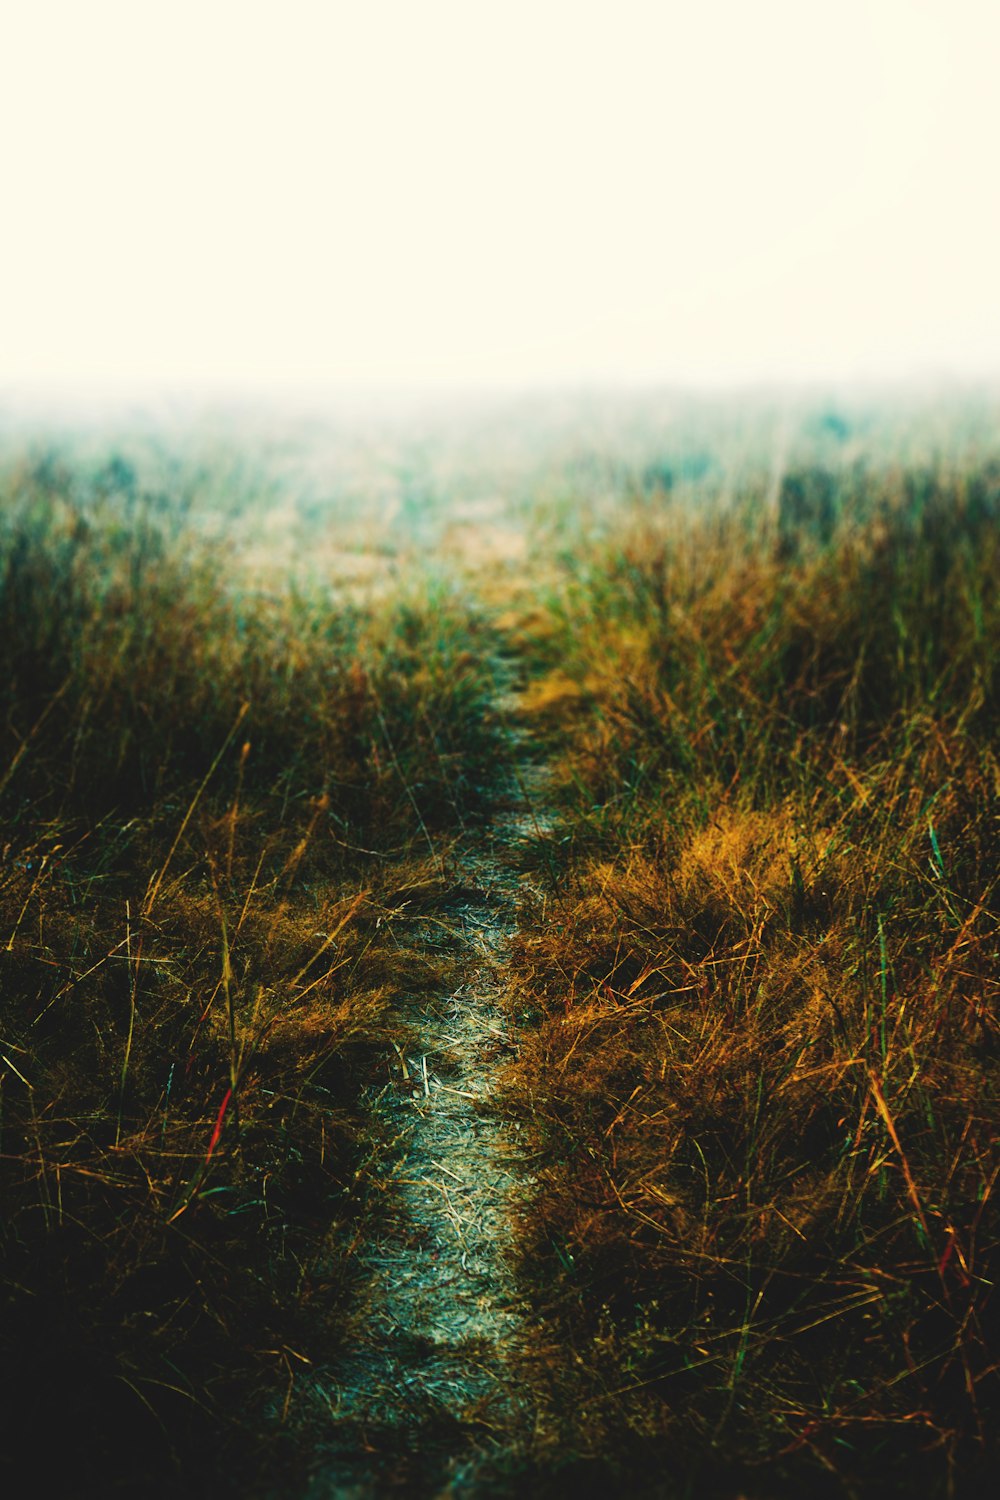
(763, 1058)
(755, 986)
(214, 802)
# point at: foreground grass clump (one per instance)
(765, 1062)
(213, 804)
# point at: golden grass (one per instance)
(764, 1067)
(760, 1053)
(212, 803)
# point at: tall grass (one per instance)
(759, 1048)
(211, 800)
(764, 1065)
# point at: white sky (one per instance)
(462, 192)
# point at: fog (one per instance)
(436, 196)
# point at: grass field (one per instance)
(214, 802)
(250, 711)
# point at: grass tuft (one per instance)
(209, 797)
(764, 1069)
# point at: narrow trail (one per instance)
(434, 1404)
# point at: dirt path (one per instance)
(433, 1404)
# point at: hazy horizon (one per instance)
(315, 200)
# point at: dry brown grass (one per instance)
(764, 1069)
(216, 810)
(760, 1058)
